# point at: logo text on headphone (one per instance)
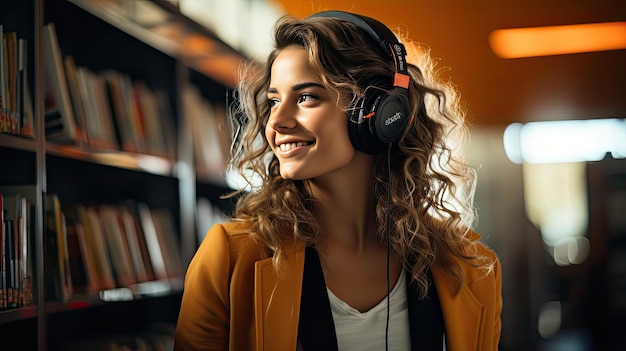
(400, 54)
(393, 118)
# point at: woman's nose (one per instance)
(283, 118)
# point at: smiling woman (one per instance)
(358, 236)
(306, 129)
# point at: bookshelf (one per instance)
(104, 164)
(607, 267)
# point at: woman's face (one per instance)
(306, 130)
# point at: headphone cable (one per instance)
(388, 241)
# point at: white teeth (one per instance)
(290, 146)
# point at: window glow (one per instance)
(565, 141)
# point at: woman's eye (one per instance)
(306, 97)
(273, 102)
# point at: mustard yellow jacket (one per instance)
(233, 300)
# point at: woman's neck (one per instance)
(346, 209)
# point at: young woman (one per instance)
(359, 234)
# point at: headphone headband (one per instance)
(379, 118)
(384, 38)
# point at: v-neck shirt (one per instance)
(365, 331)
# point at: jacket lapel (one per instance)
(463, 314)
(425, 318)
(316, 327)
(277, 302)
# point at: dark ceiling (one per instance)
(502, 91)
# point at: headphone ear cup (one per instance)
(377, 119)
(362, 123)
(392, 117)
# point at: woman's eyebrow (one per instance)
(297, 87)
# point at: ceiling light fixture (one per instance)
(565, 141)
(558, 40)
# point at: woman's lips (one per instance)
(289, 149)
(290, 146)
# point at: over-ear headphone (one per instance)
(379, 117)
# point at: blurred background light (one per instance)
(549, 318)
(555, 199)
(565, 141)
(558, 40)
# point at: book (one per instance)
(164, 113)
(85, 270)
(9, 256)
(118, 87)
(16, 111)
(102, 275)
(59, 118)
(153, 244)
(103, 120)
(76, 99)
(10, 56)
(82, 263)
(26, 225)
(58, 276)
(144, 123)
(77, 264)
(4, 123)
(98, 126)
(207, 146)
(24, 112)
(170, 247)
(157, 125)
(16, 260)
(3, 266)
(28, 113)
(132, 216)
(117, 244)
(12, 254)
(136, 245)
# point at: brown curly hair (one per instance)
(432, 186)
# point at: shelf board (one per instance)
(155, 288)
(139, 291)
(18, 142)
(17, 314)
(138, 162)
(162, 26)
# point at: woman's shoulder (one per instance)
(235, 227)
(229, 230)
(479, 248)
(233, 238)
(484, 262)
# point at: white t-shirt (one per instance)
(366, 331)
